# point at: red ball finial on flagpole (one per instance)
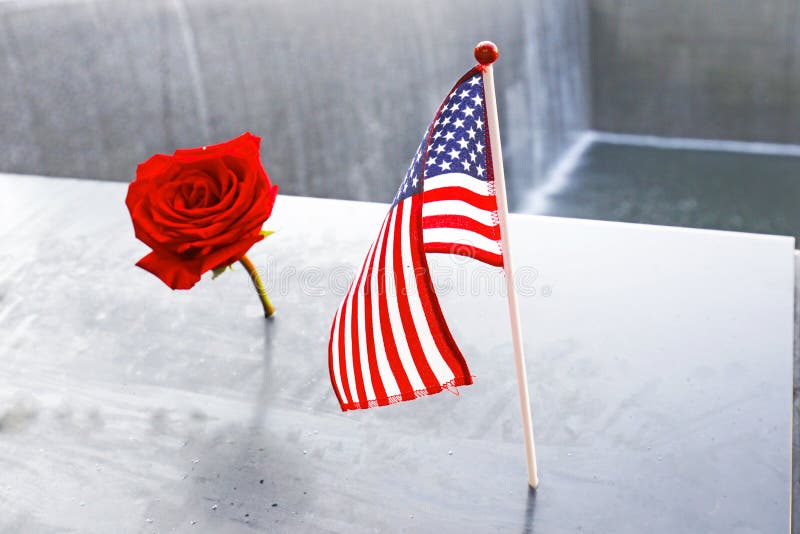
(486, 53)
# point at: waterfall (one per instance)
(341, 92)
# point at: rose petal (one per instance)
(200, 208)
(156, 166)
(246, 143)
(173, 270)
(223, 256)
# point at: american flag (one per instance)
(389, 340)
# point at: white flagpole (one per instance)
(486, 53)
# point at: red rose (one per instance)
(200, 209)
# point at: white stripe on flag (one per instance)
(348, 344)
(460, 236)
(362, 329)
(394, 312)
(457, 179)
(385, 372)
(429, 348)
(457, 207)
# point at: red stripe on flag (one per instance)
(403, 384)
(342, 355)
(412, 338)
(374, 372)
(463, 222)
(430, 302)
(330, 363)
(466, 250)
(487, 203)
(357, 374)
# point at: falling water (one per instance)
(340, 92)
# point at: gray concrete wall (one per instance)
(719, 69)
(341, 91)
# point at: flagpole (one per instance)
(486, 53)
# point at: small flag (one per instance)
(389, 339)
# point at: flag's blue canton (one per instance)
(457, 142)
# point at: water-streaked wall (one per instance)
(341, 91)
(713, 69)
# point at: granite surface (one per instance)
(660, 364)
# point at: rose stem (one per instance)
(269, 309)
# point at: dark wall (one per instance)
(341, 91)
(720, 69)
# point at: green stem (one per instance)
(269, 309)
